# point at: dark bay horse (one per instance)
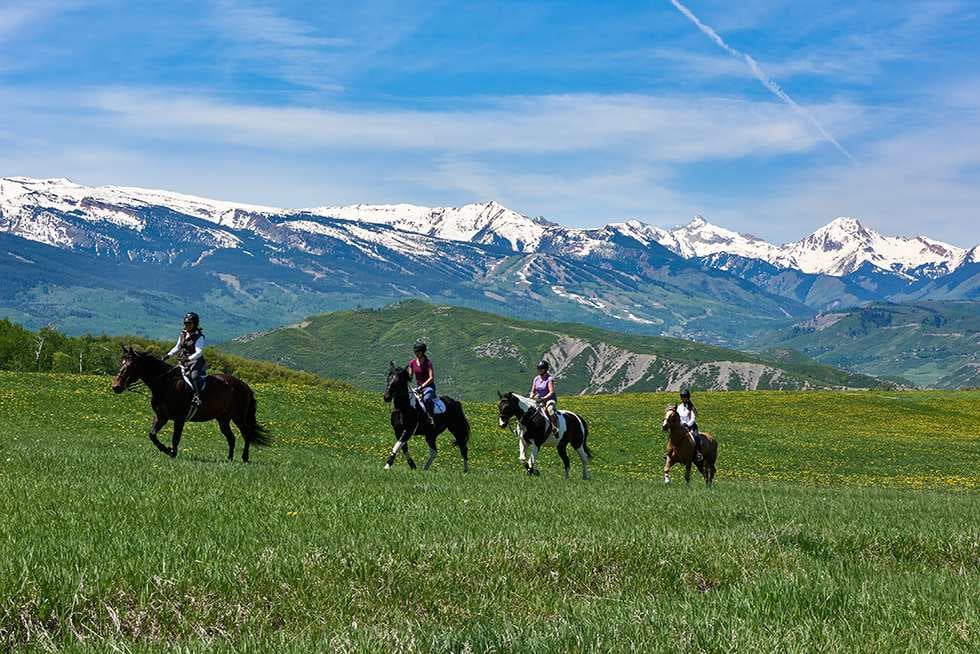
(226, 399)
(532, 430)
(680, 448)
(408, 419)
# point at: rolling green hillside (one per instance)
(820, 534)
(932, 344)
(477, 353)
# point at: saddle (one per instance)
(561, 422)
(438, 406)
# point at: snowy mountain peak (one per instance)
(844, 245)
(699, 238)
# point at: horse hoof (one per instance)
(387, 466)
(666, 480)
(411, 464)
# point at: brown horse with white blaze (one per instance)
(226, 399)
(680, 448)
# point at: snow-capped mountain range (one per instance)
(696, 280)
(838, 248)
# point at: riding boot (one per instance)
(698, 456)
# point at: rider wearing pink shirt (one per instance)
(425, 377)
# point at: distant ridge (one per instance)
(478, 353)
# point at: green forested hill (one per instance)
(477, 353)
(929, 343)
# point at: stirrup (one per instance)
(196, 400)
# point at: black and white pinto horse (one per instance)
(408, 419)
(533, 429)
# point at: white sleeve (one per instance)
(198, 350)
(175, 348)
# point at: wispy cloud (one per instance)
(678, 128)
(291, 49)
(757, 71)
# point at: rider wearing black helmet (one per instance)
(425, 377)
(689, 416)
(190, 353)
(543, 391)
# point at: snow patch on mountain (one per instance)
(699, 238)
(487, 223)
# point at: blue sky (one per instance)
(584, 112)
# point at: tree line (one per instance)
(48, 350)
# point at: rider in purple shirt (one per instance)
(425, 377)
(543, 390)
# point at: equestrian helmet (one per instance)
(543, 365)
(419, 347)
(685, 394)
(192, 318)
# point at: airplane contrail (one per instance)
(766, 81)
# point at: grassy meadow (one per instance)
(839, 522)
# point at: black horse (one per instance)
(227, 399)
(533, 429)
(408, 418)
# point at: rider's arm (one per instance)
(198, 350)
(551, 391)
(175, 348)
(432, 377)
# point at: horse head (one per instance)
(507, 408)
(670, 417)
(128, 370)
(397, 384)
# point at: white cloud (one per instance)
(678, 129)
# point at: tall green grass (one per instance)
(815, 537)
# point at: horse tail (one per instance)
(464, 433)
(255, 432)
(585, 435)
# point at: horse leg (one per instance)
(175, 441)
(687, 473)
(585, 460)
(225, 427)
(563, 453)
(668, 464)
(158, 424)
(531, 470)
(523, 454)
(408, 457)
(394, 452)
(431, 441)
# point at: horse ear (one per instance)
(500, 395)
(391, 365)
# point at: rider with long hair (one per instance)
(190, 351)
(688, 414)
(543, 391)
(425, 378)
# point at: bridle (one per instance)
(137, 385)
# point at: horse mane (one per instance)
(524, 402)
(152, 359)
